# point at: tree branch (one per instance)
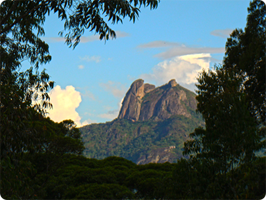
(20, 18)
(9, 13)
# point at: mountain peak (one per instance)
(161, 119)
(172, 83)
(144, 101)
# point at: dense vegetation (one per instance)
(132, 140)
(110, 178)
(77, 177)
(26, 135)
(41, 159)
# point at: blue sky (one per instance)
(177, 40)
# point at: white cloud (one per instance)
(157, 44)
(91, 38)
(65, 101)
(223, 33)
(120, 103)
(120, 34)
(81, 66)
(53, 39)
(96, 59)
(184, 69)
(117, 89)
(176, 49)
(184, 50)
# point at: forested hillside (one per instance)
(140, 142)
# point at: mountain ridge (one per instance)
(152, 125)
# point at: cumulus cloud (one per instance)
(117, 89)
(84, 39)
(184, 69)
(65, 101)
(96, 59)
(223, 33)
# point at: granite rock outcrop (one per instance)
(144, 101)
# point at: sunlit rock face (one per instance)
(145, 101)
(131, 105)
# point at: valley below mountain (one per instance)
(152, 125)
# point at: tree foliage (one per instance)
(245, 53)
(230, 137)
(231, 99)
(110, 178)
(25, 171)
(27, 136)
(21, 18)
(17, 136)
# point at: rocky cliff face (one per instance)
(131, 104)
(143, 101)
(160, 155)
